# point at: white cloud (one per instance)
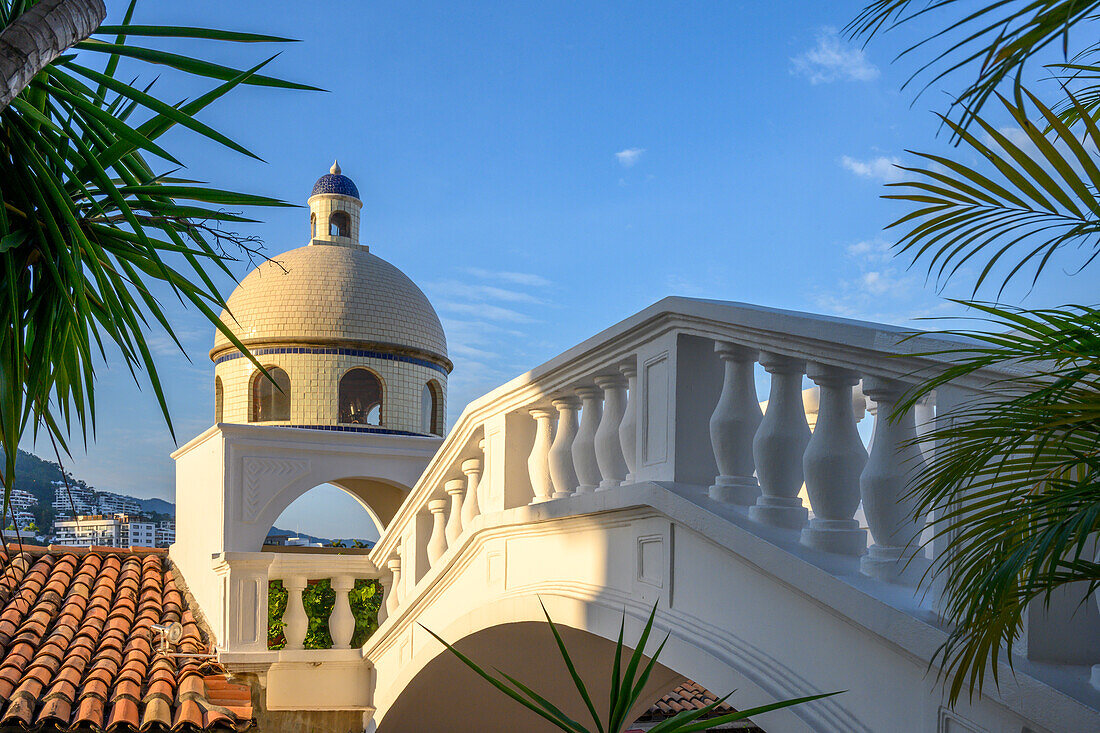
(486, 311)
(515, 278)
(833, 59)
(481, 293)
(627, 158)
(882, 168)
(871, 250)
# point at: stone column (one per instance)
(896, 554)
(733, 425)
(341, 623)
(437, 543)
(562, 473)
(295, 621)
(832, 463)
(609, 451)
(779, 445)
(538, 463)
(584, 445)
(628, 428)
(455, 488)
(483, 481)
(393, 598)
(471, 468)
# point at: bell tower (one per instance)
(334, 207)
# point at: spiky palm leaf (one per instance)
(1014, 482)
(996, 40)
(627, 686)
(1028, 200)
(91, 225)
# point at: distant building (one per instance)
(103, 531)
(22, 501)
(108, 503)
(76, 496)
(166, 533)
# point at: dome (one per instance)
(334, 295)
(335, 182)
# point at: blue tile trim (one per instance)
(335, 351)
(358, 429)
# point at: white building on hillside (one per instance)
(102, 531)
(109, 503)
(22, 501)
(74, 496)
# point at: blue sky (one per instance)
(545, 170)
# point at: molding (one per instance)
(382, 347)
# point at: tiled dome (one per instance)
(335, 182)
(329, 293)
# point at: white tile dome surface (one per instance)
(326, 291)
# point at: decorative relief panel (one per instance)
(263, 478)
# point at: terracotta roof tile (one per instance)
(78, 651)
(686, 696)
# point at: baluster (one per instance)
(562, 473)
(628, 428)
(471, 467)
(483, 485)
(538, 463)
(584, 445)
(832, 463)
(609, 452)
(896, 554)
(437, 543)
(393, 598)
(295, 621)
(341, 623)
(779, 445)
(454, 488)
(733, 425)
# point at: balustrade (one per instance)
(454, 488)
(890, 511)
(779, 445)
(341, 623)
(562, 474)
(628, 428)
(538, 463)
(295, 620)
(584, 445)
(471, 468)
(733, 424)
(393, 596)
(437, 544)
(833, 462)
(609, 450)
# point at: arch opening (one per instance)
(360, 398)
(219, 400)
(431, 408)
(270, 396)
(339, 224)
(313, 226)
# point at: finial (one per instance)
(335, 169)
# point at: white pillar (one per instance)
(562, 473)
(628, 428)
(584, 445)
(538, 463)
(609, 452)
(437, 543)
(295, 621)
(733, 425)
(393, 597)
(471, 468)
(896, 554)
(341, 623)
(779, 444)
(455, 488)
(483, 484)
(832, 463)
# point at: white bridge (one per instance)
(638, 469)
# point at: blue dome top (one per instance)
(334, 182)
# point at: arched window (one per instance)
(360, 399)
(431, 409)
(219, 399)
(312, 226)
(339, 225)
(270, 402)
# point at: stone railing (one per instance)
(246, 577)
(673, 395)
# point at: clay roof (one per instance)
(77, 651)
(686, 696)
